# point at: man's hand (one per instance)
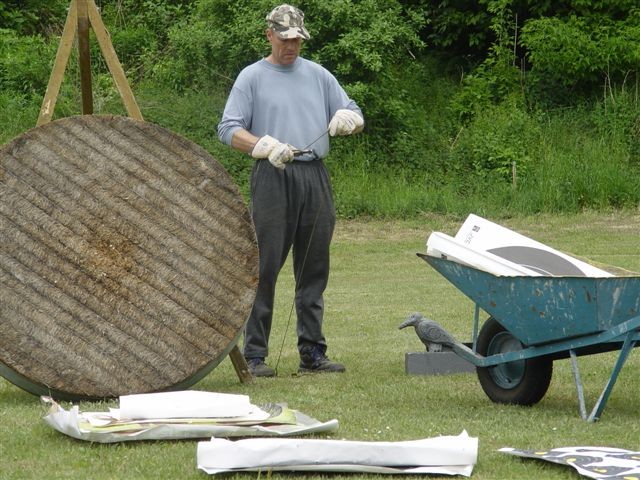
(345, 122)
(277, 152)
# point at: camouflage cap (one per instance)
(287, 22)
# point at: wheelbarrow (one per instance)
(534, 320)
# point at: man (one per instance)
(281, 111)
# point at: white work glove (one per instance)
(277, 152)
(345, 122)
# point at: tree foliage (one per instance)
(364, 43)
(21, 67)
(580, 54)
(512, 59)
(564, 50)
(34, 17)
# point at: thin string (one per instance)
(304, 261)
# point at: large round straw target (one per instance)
(128, 259)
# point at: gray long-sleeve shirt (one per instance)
(292, 103)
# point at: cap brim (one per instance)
(286, 33)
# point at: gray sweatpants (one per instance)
(291, 208)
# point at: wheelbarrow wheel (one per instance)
(522, 382)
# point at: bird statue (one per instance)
(430, 333)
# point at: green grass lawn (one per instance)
(377, 280)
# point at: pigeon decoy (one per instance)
(430, 333)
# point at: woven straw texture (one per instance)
(128, 259)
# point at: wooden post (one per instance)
(84, 57)
(59, 66)
(240, 365)
(113, 63)
(83, 15)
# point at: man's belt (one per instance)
(305, 155)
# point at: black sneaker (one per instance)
(258, 368)
(313, 360)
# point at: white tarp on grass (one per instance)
(188, 404)
(448, 455)
(198, 416)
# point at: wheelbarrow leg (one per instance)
(628, 344)
(576, 377)
(476, 321)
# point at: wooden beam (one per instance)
(113, 63)
(240, 365)
(85, 57)
(59, 66)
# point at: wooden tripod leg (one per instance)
(115, 67)
(60, 65)
(240, 364)
(84, 57)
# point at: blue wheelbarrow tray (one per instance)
(535, 320)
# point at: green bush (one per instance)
(33, 17)
(18, 113)
(358, 41)
(140, 30)
(617, 117)
(580, 54)
(408, 123)
(214, 42)
(25, 63)
(136, 47)
(190, 62)
(157, 16)
(579, 165)
(365, 44)
(457, 28)
(433, 142)
(498, 138)
(499, 75)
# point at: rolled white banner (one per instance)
(187, 404)
(219, 455)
